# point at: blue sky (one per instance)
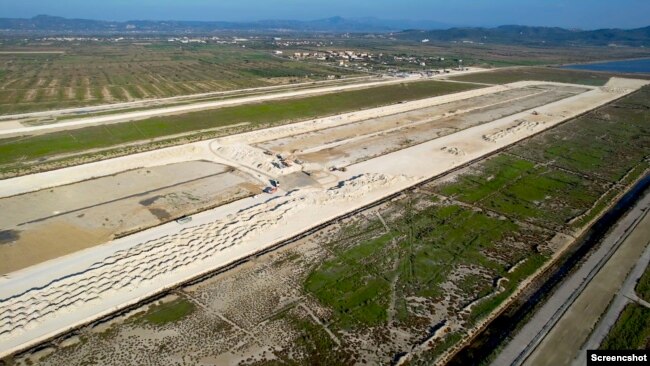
(587, 14)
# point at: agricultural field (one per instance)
(473, 54)
(538, 73)
(14, 152)
(85, 74)
(105, 73)
(403, 280)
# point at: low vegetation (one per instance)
(537, 73)
(423, 248)
(167, 312)
(104, 73)
(467, 243)
(631, 330)
(13, 151)
(522, 190)
(643, 286)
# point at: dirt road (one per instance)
(556, 332)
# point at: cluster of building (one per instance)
(279, 42)
(79, 39)
(203, 40)
(345, 58)
(187, 40)
(422, 61)
(334, 55)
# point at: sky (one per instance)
(584, 14)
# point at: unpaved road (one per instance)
(556, 332)
(623, 298)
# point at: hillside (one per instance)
(514, 34)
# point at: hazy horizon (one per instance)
(583, 14)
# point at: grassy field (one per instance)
(584, 152)
(423, 249)
(517, 188)
(456, 250)
(13, 151)
(104, 73)
(537, 73)
(643, 286)
(631, 330)
(164, 313)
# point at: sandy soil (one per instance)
(46, 299)
(50, 223)
(433, 124)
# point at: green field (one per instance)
(14, 151)
(449, 243)
(424, 247)
(520, 189)
(480, 55)
(537, 73)
(104, 73)
(643, 286)
(164, 313)
(584, 151)
(631, 330)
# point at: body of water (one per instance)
(628, 66)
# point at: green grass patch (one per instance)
(536, 73)
(606, 143)
(523, 271)
(428, 245)
(170, 312)
(357, 296)
(279, 72)
(495, 173)
(643, 286)
(522, 190)
(429, 356)
(631, 330)
(316, 346)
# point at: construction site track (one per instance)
(217, 271)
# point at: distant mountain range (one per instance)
(516, 34)
(46, 23)
(401, 29)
